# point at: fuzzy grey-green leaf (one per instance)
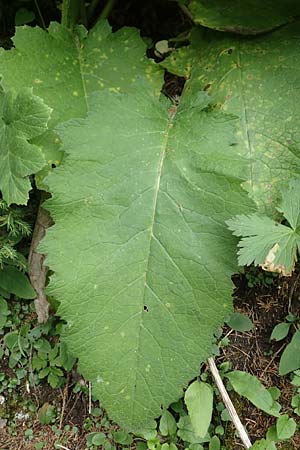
(143, 278)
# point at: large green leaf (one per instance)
(244, 16)
(141, 254)
(256, 80)
(64, 68)
(23, 117)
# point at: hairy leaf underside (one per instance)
(141, 255)
(255, 79)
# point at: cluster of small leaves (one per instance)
(32, 350)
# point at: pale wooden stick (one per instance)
(62, 446)
(90, 397)
(228, 404)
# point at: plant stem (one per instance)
(40, 14)
(185, 10)
(228, 404)
(70, 12)
(107, 9)
(105, 12)
(91, 8)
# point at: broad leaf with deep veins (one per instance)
(256, 80)
(141, 254)
(64, 68)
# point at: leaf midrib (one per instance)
(80, 61)
(245, 119)
(151, 237)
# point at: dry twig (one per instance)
(228, 404)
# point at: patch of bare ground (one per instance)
(256, 354)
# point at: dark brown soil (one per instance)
(254, 353)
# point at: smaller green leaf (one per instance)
(121, 437)
(285, 427)
(280, 331)
(186, 432)
(23, 117)
(296, 404)
(167, 424)
(266, 243)
(43, 346)
(56, 371)
(4, 312)
(250, 387)
(15, 282)
(39, 445)
(11, 340)
(141, 446)
(239, 322)
(272, 434)
(275, 392)
(167, 446)
(67, 361)
(219, 430)
(44, 372)
(46, 414)
(215, 443)
(24, 16)
(263, 444)
(38, 363)
(295, 381)
(178, 407)
(290, 358)
(14, 358)
(53, 380)
(173, 446)
(199, 401)
(196, 447)
(98, 438)
(225, 416)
